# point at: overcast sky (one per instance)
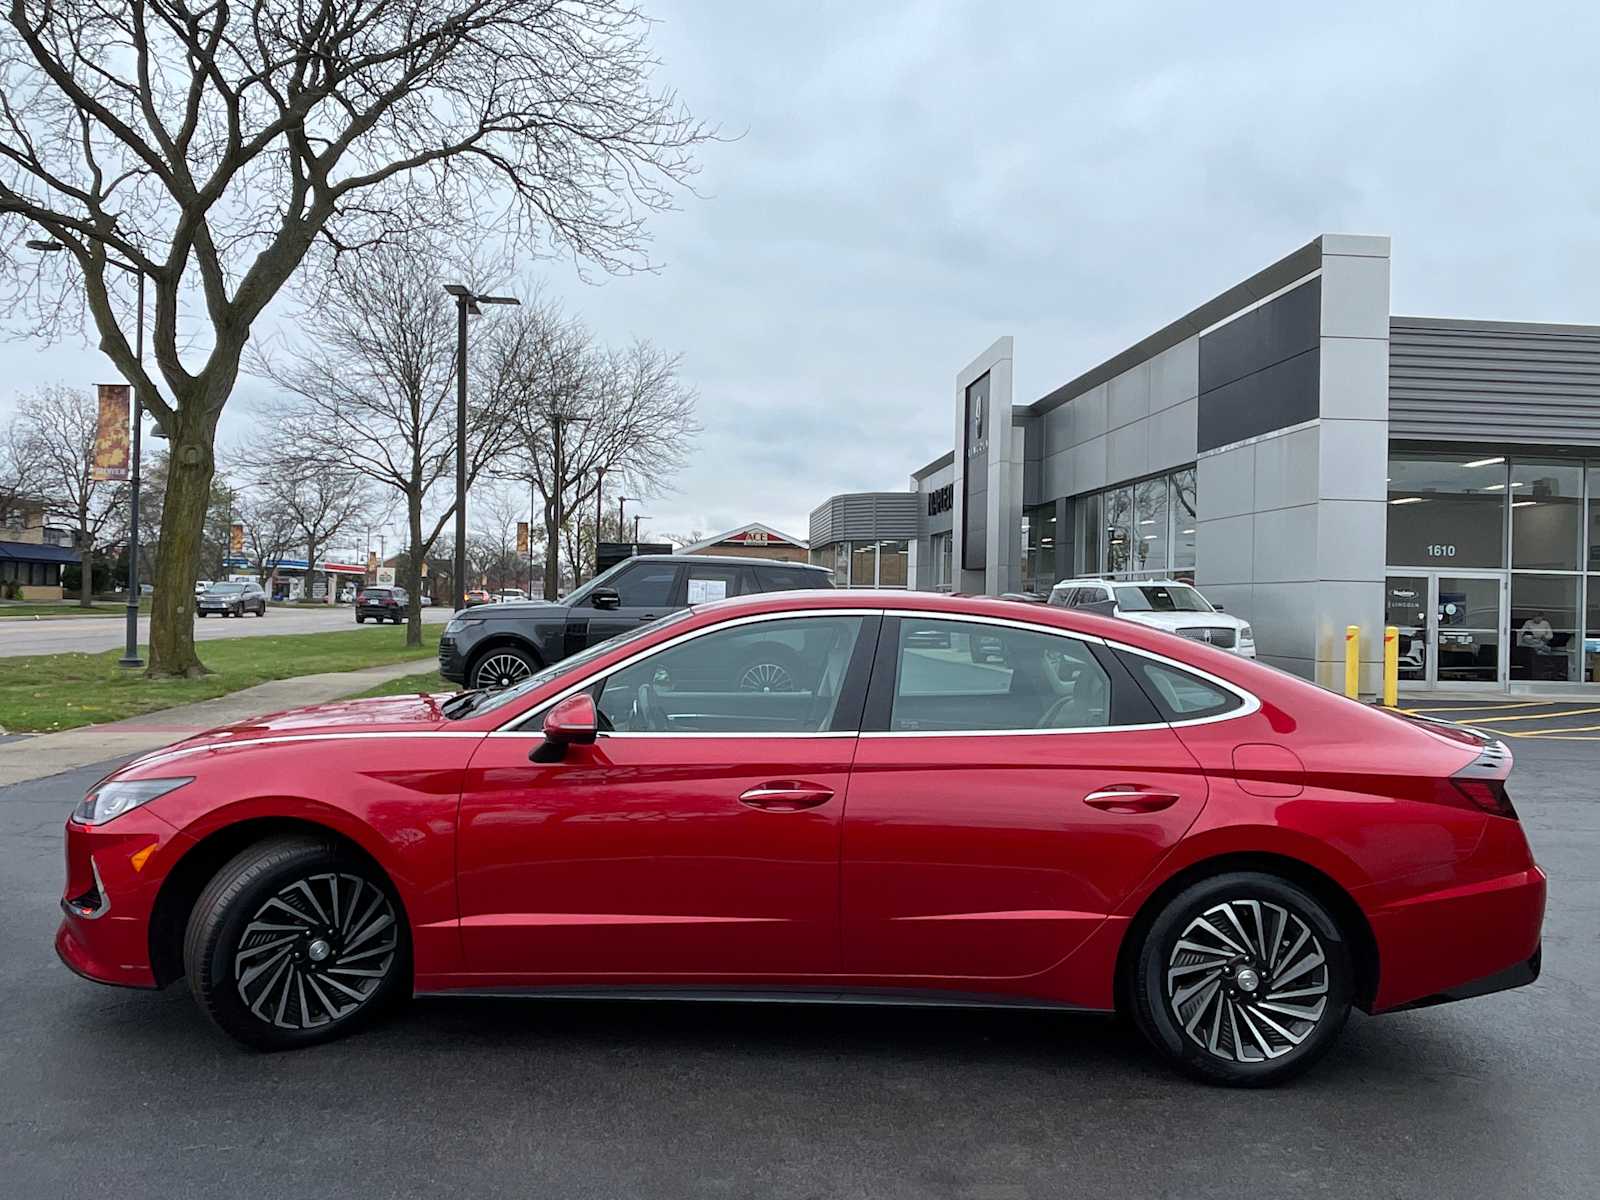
(915, 179)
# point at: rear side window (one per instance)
(776, 579)
(1180, 695)
(714, 582)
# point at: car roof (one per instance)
(1092, 579)
(733, 559)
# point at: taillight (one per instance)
(1481, 784)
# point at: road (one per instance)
(134, 1093)
(89, 634)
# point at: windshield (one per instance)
(500, 699)
(225, 588)
(1152, 597)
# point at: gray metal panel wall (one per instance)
(866, 516)
(1494, 381)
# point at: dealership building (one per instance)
(1308, 459)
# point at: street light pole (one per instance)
(130, 653)
(558, 422)
(466, 302)
(599, 500)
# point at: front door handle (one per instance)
(786, 795)
(1126, 798)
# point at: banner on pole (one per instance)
(236, 539)
(522, 539)
(111, 433)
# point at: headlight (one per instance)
(1246, 634)
(457, 624)
(113, 799)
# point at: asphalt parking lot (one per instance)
(1518, 719)
(134, 1094)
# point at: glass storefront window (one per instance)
(892, 564)
(1039, 548)
(1447, 512)
(1150, 534)
(1183, 519)
(1092, 523)
(1119, 530)
(1593, 538)
(1546, 515)
(1591, 640)
(841, 564)
(863, 564)
(1544, 628)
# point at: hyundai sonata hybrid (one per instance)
(1089, 815)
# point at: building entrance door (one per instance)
(1452, 629)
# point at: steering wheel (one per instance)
(647, 710)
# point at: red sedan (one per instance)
(953, 801)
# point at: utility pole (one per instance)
(559, 420)
(599, 500)
(466, 302)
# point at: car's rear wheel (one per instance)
(501, 666)
(295, 942)
(360, 620)
(1243, 979)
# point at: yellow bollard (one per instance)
(1352, 661)
(1391, 666)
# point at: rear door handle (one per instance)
(786, 795)
(1126, 798)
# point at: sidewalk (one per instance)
(45, 754)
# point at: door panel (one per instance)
(636, 856)
(978, 855)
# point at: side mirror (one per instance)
(605, 597)
(573, 722)
(1218, 607)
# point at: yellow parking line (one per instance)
(1571, 712)
(1477, 708)
(1558, 729)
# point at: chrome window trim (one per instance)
(513, 728)
(1251, 702)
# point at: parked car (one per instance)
(231, 600)
(507, 595)
(478, 596)
(1165, 604)
(200, 585)
(347, 594)
(1106, 818)
(504, 644)
(382, 604)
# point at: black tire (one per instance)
(360, 620)
(505, 657)
(298, 1004)
(770, 667)
(200, 613)
(1272, 1045)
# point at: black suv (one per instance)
(495, 645)
(382, 604)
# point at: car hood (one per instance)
(512, 609)
(1186, 620)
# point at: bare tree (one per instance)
(53, 434)
(318, 499)
(492, 545)
(624, 416)
(270, 531)
(373, 390)
(214, 150)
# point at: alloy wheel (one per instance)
(1248, 980)
(316, 951)
(766, 677)
(502, 670)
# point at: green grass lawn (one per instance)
(430, 682)
(17, 610)
(49, 692)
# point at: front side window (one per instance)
(955, 676)
(772, 677)
(647, 585)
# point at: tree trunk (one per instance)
(86, 557)
(413, 580)
(183, 522)
(552, 557)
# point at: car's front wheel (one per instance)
(1243, 979)
(501, 667)
(294, 942)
